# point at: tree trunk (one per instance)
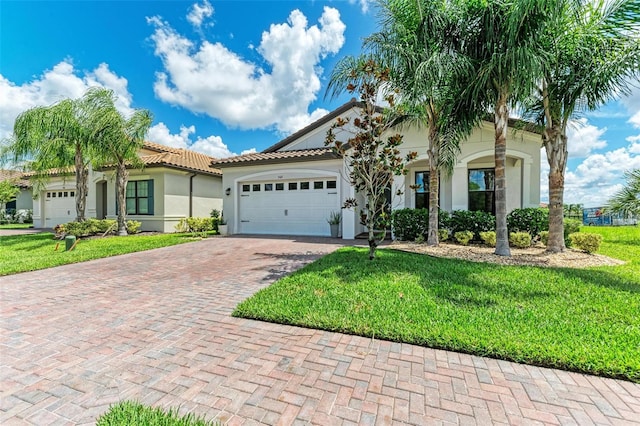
(121, 184)
(555, 144)
(82, 186)
(434, 186)
(501, 119)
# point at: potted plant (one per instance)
(222, 226)
(334, 222)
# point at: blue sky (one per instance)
(227, 77)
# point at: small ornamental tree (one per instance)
(8, 192)
(372, 156)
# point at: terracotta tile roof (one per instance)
(15, 176)
(152, 146)
(276, 157)
(182, 159)
(178, 158)
(52, 172)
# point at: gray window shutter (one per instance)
(150, 197)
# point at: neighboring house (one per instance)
(292, 187)
(24, 200)
(174, 184)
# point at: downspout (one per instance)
(191, 193)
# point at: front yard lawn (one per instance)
(582, 320)
(16, 226)
(20, 253)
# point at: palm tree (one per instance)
(627, 200)
(594, 48)
(419, 43)
(118, 141)
(504, 40)
(55, 137)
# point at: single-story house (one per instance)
(292, 187)
(174, 183)
(24, 200)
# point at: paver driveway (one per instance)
(155, 326)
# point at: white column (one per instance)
(348, 215)
(399, 201)
(526, 184)
(460, 188)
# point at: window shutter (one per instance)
(150, 197)
(116, 212)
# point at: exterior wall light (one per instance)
(227, 191)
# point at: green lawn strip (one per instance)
(16, 226)
(128, 413)
(21, 253)
(579, 320)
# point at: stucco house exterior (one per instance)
(24, 200)
(174, 183)
(292, 187)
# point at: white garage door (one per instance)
(292, 207)
(59, 207)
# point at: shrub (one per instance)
(544, 237)
(520, 239)
(474, 221)
(195, 224)
(587, 242)
(463, 237)
(489, 238)
(78, 229)
(443, 234)
(133, 226)
(531, 220)
(420, 239)
(409, 224)
(570, 226)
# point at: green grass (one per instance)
(583, 320)
(128, 413)
(16, 226)
(20, 253)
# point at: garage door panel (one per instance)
(59, 207)
(286, 212)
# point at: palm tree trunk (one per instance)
(434, 182)
(121, 184)
(82, 186)
(555, 143)
(501, 118)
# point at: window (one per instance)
(48, 195)
(72, 194)
(66, 194)
(256, 187)
(481, 190)
(304, 185)
(293, 186)
(60, 194)
(246, 188)
(268, 187)
(279, 186)
(422, 190)
(331, 184)
(139, 197)
(318, 185)
(54, 194)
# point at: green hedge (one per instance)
(530, 220)
(410, 224)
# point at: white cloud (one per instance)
(211, 145)
(583, 138)
(364, 4)
(198, 13)
(61, 82)
(214, 80)
(597, 178)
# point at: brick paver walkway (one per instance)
(155, 327)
